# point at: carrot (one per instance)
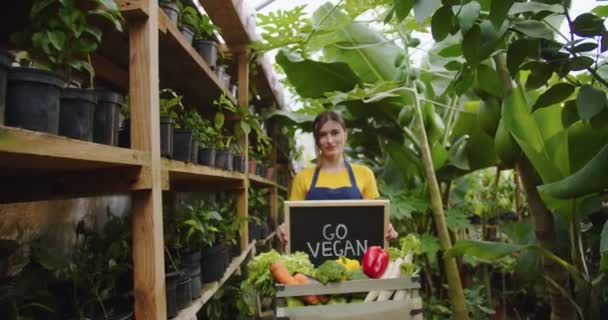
(281, 274)
(302, 279)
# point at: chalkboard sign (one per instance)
(328, 229)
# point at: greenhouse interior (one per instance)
(304, 159)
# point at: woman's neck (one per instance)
(332, 164)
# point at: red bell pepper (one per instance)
(375, 261)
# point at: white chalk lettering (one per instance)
(326, 249)
(344, 232)
(314, 253)
(338, 251)
(361, 247)
(325, 235)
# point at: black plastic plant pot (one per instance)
(236, 163)
(261, 170)
(255, 231)
(206, 156)
(194, 272)
(194, 151)
(223, 159)
(192, 258)
(120, 316)
(32, 99)
(207, 49)
(106, 121)
(182, 142)
(76, 113)
(166, 137)
(213, 263)
(171, 280)
(171, 10)
(187, 33)
(124, 134)
(235, 250)
(5, 64)
(183, 292)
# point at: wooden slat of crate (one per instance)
(348, 287)
(385, 310)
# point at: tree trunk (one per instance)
(544, 228)
(455, 292)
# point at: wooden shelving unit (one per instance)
(149, 55)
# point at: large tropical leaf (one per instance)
(313, 78)
(365, 50)
(590, 179)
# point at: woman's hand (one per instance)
(391, 234)
(282, 233)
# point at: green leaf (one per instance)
(458, 153)
(590, 101)
(541, 73)
(590, 205)
(219, 120)
(489, 80)
(534, 7)
(569, 113)
(430, 245)
(470, 45)
(403, 8)
(583, 182)
(312, 79)
(555, 94)
(484, 250)
(454, 50)
(534, 29)
(457, 219)
(499, 10)
(580, 63)
(108, 4)
(518, 51)
(425, 8)
(110, 17)
(38, 7)
(585, 47)
(439, 156)
(467, 15)
(463, 82)
(94, 31)
(57, 39)
(588, 25)
(453, 65)
(604, 239)
(82, 66)
(441, 23)
(601, 11)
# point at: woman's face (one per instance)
(332, 138)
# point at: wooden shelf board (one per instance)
(267, 83)
(22, 149)
(258, 181)
(283, 188)
(132, 9)
(210, 289)
(184, 70)
(189, 176)
(235, 18)
(265, 240)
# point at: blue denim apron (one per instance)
(343, 193)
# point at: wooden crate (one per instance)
(407, 309)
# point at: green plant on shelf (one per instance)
(203, 130)
(202, 224)
(170, 105)
(223, 105)
(62, 36)
(192, 19)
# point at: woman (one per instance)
(334, 178)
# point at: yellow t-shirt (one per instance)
(364, 177)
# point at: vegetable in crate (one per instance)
(349, 264)
(356, 275)
(375, 261)
(329, 271)
(337, 299)
(260, 277)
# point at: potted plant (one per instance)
(170, 105)
(183, 136)
(204, 41)
(223, 142)
(106, 120)
(188, 19)
(170, 8)
(204, 133)
(61, 37)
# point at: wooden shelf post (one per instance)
(148, 243)
(243, 92)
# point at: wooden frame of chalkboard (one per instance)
(338, 227)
